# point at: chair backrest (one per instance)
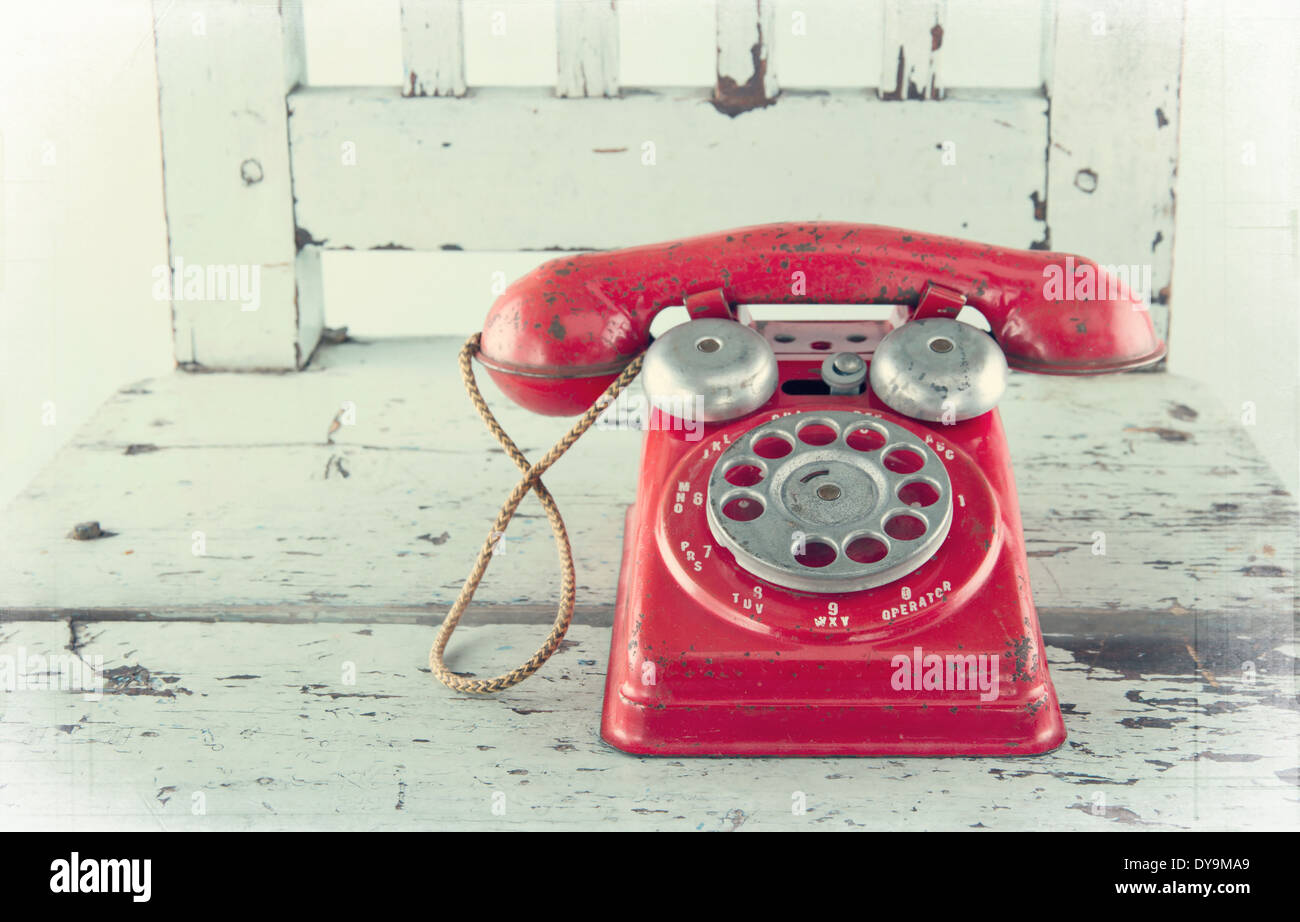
(262, 172)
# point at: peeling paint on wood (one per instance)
(433, 56)
(397, 193)
(586, 33)
(226, 178)
(276, 735)
(912, 38)
(745, 78)
(1113, 82)
(1155, 491)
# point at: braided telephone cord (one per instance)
(530, 481)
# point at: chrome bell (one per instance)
(709, 369)
(939, 370)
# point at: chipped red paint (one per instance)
(556, 337)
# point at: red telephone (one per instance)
(825, 554)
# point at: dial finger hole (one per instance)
(817, 434)
(784, 522)
(903, 461)
(865, 439)
(905, 527)
(866, 549)
(743, 508)
(773, 446)
(744, 475)
(918, 493)
(815, 553)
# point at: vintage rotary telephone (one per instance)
(830, 561)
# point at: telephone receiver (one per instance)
(558, 336)
(829, 558)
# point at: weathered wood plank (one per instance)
(224, 70)
(1114, 89)
(912, 39)
(746, 78)
(240, 726)
(385, 514)
(587, 169)
(586, 44)
(433, 52)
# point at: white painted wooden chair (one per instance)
(261, 615)
(260, 169)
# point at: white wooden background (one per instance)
(1080, 157)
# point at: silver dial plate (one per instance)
(830, 502)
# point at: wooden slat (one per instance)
(223, 72)
(1114, 88)
(433, 54)
(386, 514)
(604, 173)
(257, 726)
(746, 78)
(1046, 44)
(912, 39)
(586, 42)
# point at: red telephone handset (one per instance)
(825, 554)
(556, 337)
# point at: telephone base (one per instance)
(708, 660)
(880, 721)
(845, 730)
(688, 722)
